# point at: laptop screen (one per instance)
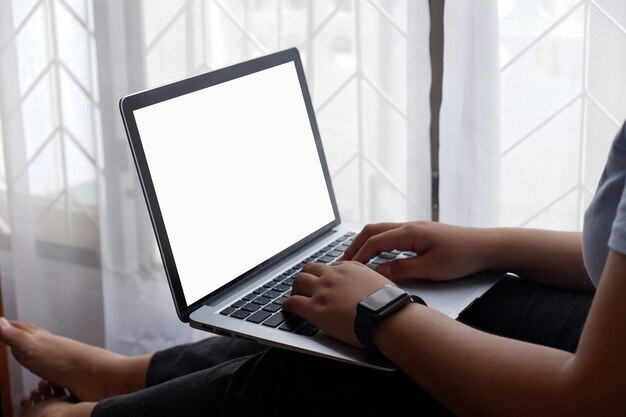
(237, 175)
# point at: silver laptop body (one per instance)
(239, 193)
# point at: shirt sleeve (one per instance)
(617, 240)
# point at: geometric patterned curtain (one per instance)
(54, 115)
(563, 101)
(355, 56)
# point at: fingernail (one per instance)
(4, 323)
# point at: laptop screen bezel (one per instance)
(130, 103)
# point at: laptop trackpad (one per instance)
(451, 297)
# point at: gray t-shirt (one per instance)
(605, 218)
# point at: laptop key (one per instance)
(238, 304)
(277, 319)
(251, 307)
(272, 294)
(326, 259)
(259, 316)
(292, 323)
(334, 253)
(272, 307)
(285, 286)
(280, 300)
(227, 311)
(262, 300)
(249, 297)
(307, 330)
(240, 314)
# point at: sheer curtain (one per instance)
(77, 252)
(469, 123)
(550, 73)
(563, 101)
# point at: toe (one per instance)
(5, 328)
(25, 402)
(45, 389)
(58, 391)
(9, 334)
(35, 396)
(27, 327)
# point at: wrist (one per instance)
(393, 329)
(489, 243)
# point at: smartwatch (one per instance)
(380, 304)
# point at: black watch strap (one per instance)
(363, 324)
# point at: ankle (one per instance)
(130, 373)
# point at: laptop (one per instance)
(240, 197)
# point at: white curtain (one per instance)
(533, 96)
(469, 124)
(77, 252)
(562, 94)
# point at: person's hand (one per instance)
(327, 295)
(443, 251)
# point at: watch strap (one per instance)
(363, 324)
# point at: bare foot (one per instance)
(49, 400)
(89, 372)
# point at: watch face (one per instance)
(382, 298)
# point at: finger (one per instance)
(367, 232)
(402, 268)
(389, 240)
(303, 284)
(298, 305)
(314, 268)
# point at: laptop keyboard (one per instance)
(264, 305)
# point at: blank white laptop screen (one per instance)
(237, 175)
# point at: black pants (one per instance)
(223, 377)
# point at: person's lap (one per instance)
(223, 376)
(522, 310)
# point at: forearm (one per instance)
(475, 373)
(471, 372)
(549, 257)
